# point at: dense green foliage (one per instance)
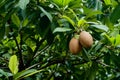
(35, 35)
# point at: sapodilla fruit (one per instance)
(74, 46)
(85, 39)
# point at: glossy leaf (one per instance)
(101, 27)
(46, 13)
(23, 3)
(32, 73)
(23, 73)
(61, 30)
(69, 20)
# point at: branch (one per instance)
(62, 60)
(53, 62)
(21, 65)
(15, 40)
(38, 45)
(41, 51)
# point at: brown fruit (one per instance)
(85, 39)
(74, 46)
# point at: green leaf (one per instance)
(23, 3)
(108, 2)
(46, 13)
(61, 3)
(32, 73)
(23, 73)
(15, 20)
(75, 3)
(6, 74)
(110, 39)
(81, 23)
(101, 27)
(2, 2)
(117, 40)
(13, 64)
(85, 55)
(115, 15)
(58, 2)
(69, 20)
(61, 30)
(92, 71)
(66, 2)
(25, 22)
(93, 13)
(3, 73)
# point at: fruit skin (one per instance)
(86, 40)
(74, 46)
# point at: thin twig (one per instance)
(41, 51)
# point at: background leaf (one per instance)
(15, 20)
(46, 13)
(23, 3)
(101, 27)
(115, 14)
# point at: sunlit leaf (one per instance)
(109, 39)
(61, 30)
(61, 3)
(81, 23)
(69, 20)
(108, 2)
(13, 64)
(117, 40)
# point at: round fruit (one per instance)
(85, 39)
(74, 46)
